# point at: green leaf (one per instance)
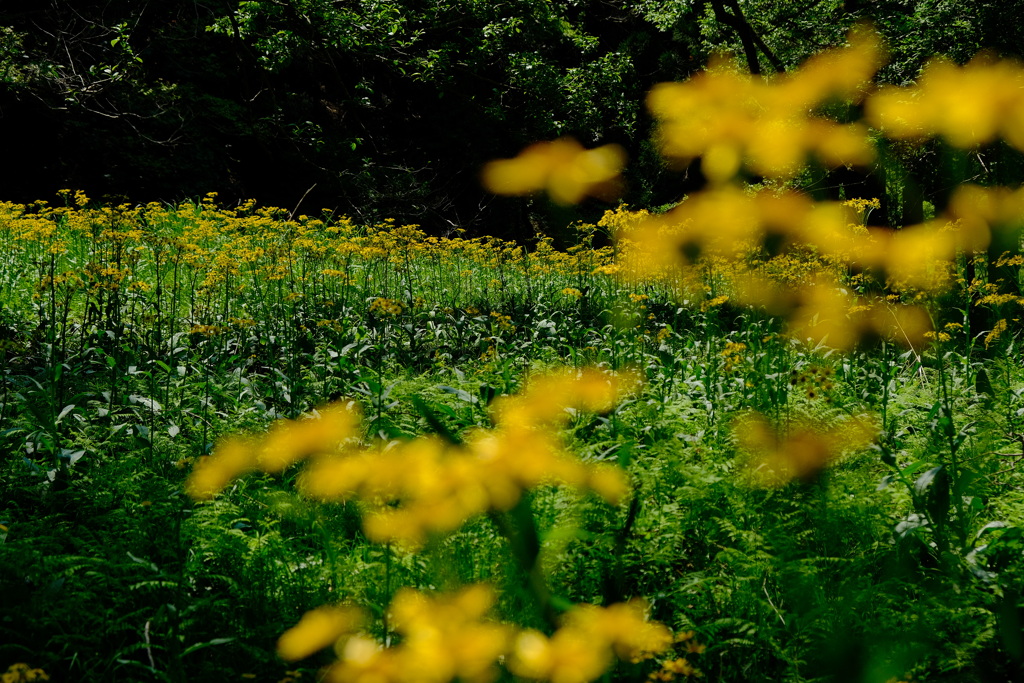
(435, 423)
(625, 453)
(210, 643)
(982, 383)
(63, 413)
(934, 486)
(461, 394)
(927, 479)
(146, 563)
(488, 393)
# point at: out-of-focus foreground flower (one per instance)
(800, 451)
(731, 119)
(967, 105)
(410, 489)
(562, 168)
(448, 636)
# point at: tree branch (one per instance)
(732, 16)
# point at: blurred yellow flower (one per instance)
(568, 656)
(292, 440)
(562, 168)
(232, 458)
(443, 637)
(23, 673)
(318, 628)
(802, 451)
(968, 105)
(624, 627)
(586, 643)
(731, 119)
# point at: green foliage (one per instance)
(132, 339)
(901, 560)
(390, 108)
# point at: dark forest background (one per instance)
(381, 108)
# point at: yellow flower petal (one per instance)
(316, 630)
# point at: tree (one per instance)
(390, 107)
(380, 108)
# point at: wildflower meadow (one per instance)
(752, 436)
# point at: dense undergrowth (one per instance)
(133, 339)
(753, 440)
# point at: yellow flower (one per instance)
(447, 636)
(23, 673)
(364, 661)
(444, 637)
(318, 628)
(547, 396)
(568, 656)
(562, 168)
(414, 488)
(730, 118)
(609, 482)
(232, 458)
(623, 627)
(292, 440)
(385, 307)
(996, 331)
(969, 105)
(676, 667)
(802, 451)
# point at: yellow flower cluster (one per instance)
(825, 313)
(863, 207)
(734, 233)
(802, 451)
(318, 628)
(783, 252)
(674, 668)
(995, 332)
(731, 119)
(448, 636)
(563, 168)
(206, 330)
(443, 638)
(797, 257)
(502, 322)
(385, 307)
(969, 106)
(411, 489)
(287, 442)
(258, 257)
(23, 673)
(585, 645)
(733, 355)
(979, 211)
